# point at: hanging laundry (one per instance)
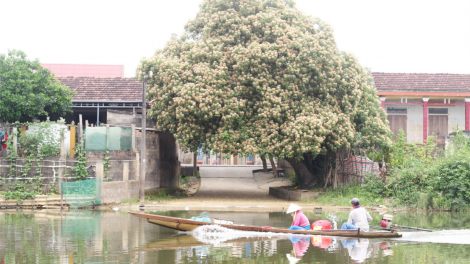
(2, 138)
(6, 140)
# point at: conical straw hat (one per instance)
(293, 208)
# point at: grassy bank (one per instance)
(343, 194)
(422, 176)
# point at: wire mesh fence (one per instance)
(101, 139)
(82, 193)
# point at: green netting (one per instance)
(101, 139)
(81, 224)
(126, 138)
(95, 139)
(82, 193)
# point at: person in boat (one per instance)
(358, 217)
(300, 220)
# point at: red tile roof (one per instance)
(85, 70)
(421, 82)
(104, 89)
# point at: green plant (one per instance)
(80, 171)
(292, 177)
(27, 90)
(106, 164)
(343, 194)
(54, 189)
(42, 138)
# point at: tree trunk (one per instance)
(304, 177)
(273, 165)
(194, 164)
(265, 165)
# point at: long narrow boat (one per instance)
(189, 225)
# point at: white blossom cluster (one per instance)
(258, 76)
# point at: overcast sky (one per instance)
(425, 36)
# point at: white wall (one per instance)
(456, 117)
(415, 120)
(55, 131)
(415, 124)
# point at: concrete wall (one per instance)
(116, 160)
(228, 171)
(162, 165)
(49, 171)
(115, 192)
(414, 124)
(456, 117)
(126, 119)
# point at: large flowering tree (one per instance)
(258, 76)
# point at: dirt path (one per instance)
(233, 194)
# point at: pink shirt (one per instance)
(300, 219)
(300, 247)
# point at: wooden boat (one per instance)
(189, 225)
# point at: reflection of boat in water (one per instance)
(173, 243)
(182, 241)
(189, 225)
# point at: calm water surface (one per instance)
(115, 237)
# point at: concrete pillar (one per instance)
(125, 234)
(15, 140)
(137, 166)
(467, 113)
(425, 119)
(63, 153)
(194, 164)
(99, 178)
(382, 101)
(80, 130)
(98, 232)
(125, 178)
(62, 157)
(133, 137)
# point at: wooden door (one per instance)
(396, 123)
(438, 126)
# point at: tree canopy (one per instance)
(259, 76)
(28, 90)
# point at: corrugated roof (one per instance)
(421, 82)
(104, 89)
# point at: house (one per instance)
(96, 95)
(424, 104)
(98, 88)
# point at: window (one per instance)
(438, 111)
(397, 110)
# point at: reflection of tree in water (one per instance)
(43, 239)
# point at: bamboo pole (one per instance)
(72, 141)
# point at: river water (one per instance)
(116, 237)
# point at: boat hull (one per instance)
(189, 225)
